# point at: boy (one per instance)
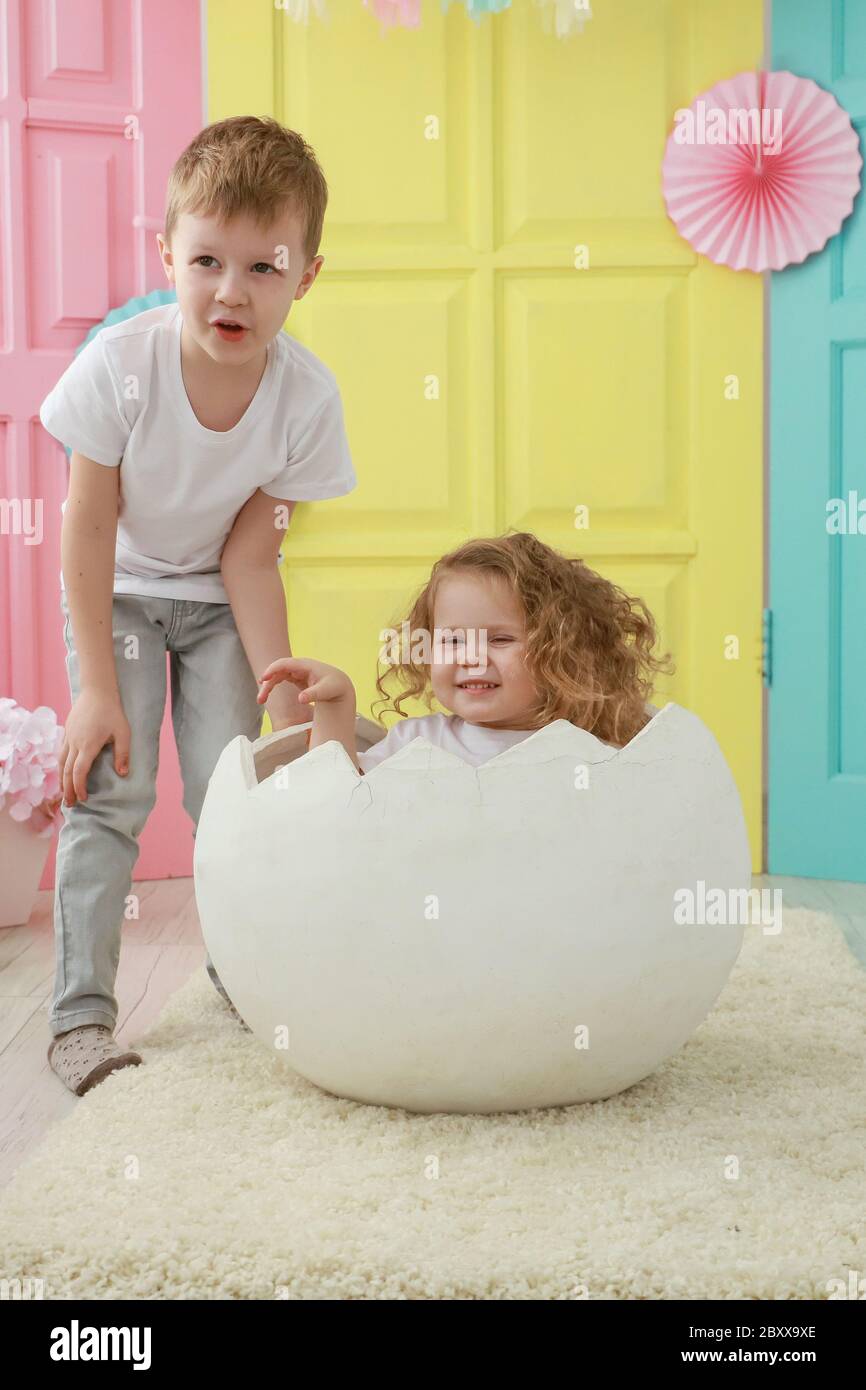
(195, 428)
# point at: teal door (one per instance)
(816, 814)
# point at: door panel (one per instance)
(817, 744)
(94, 108)
(453, 258)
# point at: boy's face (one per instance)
(485, 609)
(238, 272)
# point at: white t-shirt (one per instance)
(473, 743)
(122, 401)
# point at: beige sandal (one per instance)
(84, 1056)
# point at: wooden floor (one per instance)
(159, 953)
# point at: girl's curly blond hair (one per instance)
(589, 645)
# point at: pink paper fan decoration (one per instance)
(761, 170)
(406, 13)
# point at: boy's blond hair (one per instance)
(251, 165)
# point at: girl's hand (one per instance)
(317, 681)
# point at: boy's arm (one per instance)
(88, 535)
(249, 569)
(87, 544)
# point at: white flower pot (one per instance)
(22, 858)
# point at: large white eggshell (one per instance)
(555, 911)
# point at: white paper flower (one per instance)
(30, 741)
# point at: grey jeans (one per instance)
(213, 699)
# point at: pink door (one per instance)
(97, 99)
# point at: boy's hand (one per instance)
(95, 719)
(317, 681)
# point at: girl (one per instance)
(507, 635)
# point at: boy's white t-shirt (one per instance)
(122, 402)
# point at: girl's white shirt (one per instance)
(474, 743)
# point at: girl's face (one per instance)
(482, 675)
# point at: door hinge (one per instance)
(767, 646)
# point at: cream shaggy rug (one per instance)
(213, 1172)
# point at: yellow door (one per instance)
(518, 331)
